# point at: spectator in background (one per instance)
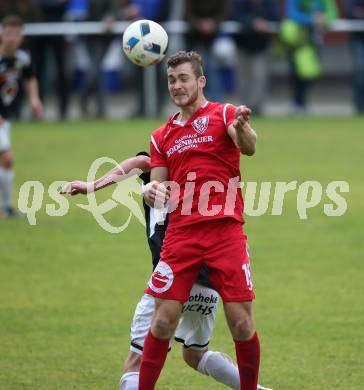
(15, 71)
(355, 10)
(25, 9)
(52, 11)
(28, 13)
(158, 11)
(204, 18)
(301, 32)
(96, 47)
(253, 43)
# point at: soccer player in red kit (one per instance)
(195, 160)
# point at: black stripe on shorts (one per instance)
(137, 346)
(191, 345)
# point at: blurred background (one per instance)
(283, 57)
(68, 288)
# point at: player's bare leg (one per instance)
(130, 378)
(164, 324)
(165, 319)
(239, 316)
(6, 182)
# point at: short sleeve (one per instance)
(145, 177)
(228, 114)
(28, 71)
(158, 158)
(28, 67)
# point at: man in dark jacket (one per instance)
(204, 18)
(355, 10)
(253, 43)
(106, 11)
(52, 11)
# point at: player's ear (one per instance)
(202, 81)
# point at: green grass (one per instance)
(68, 289)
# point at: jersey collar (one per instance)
(174, 117)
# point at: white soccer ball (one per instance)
(145, 42)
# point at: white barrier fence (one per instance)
(172, 27)
(175, 27)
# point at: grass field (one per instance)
(68, 288)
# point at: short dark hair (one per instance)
(182, 57)
(12, 21)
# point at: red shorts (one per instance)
(219, 244)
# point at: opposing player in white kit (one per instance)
(15, 69)
(198, 312)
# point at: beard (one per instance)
(186, 102)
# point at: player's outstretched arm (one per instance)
(241, 132)
(121, 172)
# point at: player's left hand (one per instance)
(242, 116)
(77, 187)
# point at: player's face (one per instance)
(11, 38)
(184, 88)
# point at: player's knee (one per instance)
(163, 326)
(165, 319)
(6, 159)
(242, 328)
(192, 357)
(132, 362)
(240, 319)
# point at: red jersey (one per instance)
(203, 159)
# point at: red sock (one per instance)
(154, 355)
(248, 358)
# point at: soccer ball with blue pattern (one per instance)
(145, 42)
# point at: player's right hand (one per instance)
(77, 187)
(37, 108)
(156, 194)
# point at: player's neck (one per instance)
(187, 111)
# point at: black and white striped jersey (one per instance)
(13, 72)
